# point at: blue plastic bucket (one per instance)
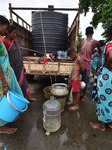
(12, 105)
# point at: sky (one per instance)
(26, 15)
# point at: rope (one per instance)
(44, 42)
(31, 50)
(43, 33)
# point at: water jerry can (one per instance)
(51, 115)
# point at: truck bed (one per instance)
(57, 67)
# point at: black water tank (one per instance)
(55, 27)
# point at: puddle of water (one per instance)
(78, 115)
(63, 137)
(84, 136)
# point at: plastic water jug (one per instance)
(51, 115)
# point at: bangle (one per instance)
(4, 85)
(2, 78)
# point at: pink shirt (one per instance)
(86, 52)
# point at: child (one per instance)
(75, 78)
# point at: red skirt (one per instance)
(75, 85)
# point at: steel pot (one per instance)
(59, 90)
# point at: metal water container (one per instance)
(60, 91)
(51, 115)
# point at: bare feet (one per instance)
(110, 125)
(70, 103)
(75, 107)
(6, 130)
(99, 126)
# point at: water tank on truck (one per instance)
(49, 31)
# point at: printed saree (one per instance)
(9, 75)
(102, 91)
(16, 62)
(8, 71)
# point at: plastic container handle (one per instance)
(23, 109)
(59, 84)
(15, 108)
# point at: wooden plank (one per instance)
(51, 68)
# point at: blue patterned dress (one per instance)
(102, 94)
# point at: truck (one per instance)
(56, 67)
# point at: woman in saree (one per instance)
(16, 60)
(102, 89)
(7, 77)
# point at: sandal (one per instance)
(6, 130)
(98, 125)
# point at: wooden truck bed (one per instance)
(33, 67)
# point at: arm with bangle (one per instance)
(5, 85)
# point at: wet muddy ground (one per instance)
(74, 134)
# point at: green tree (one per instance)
(102, 10)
